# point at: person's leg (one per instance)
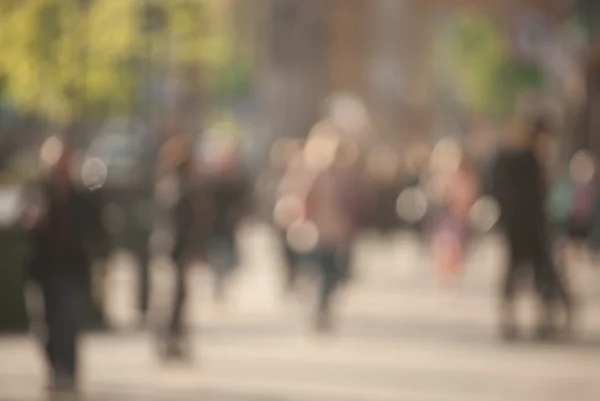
(224, 261)
(546, 327)
(73, 299)
(508, 325)
(143, 253)
(291, 265)
(49, 294)
(66, 324)
(144, 286)
(553, 294)
(328, 264)
(176, 324)
(344, 265)
(175, 330)
(566, 299)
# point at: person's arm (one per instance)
(32, 222)
(33, 213)
(184, 216)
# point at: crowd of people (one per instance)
(521, 184)
(68, 232)
(322, 201)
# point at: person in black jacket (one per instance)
(228, 191)
(188, 242)
(64, 238)
(519, 184)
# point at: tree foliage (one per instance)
(57, 55)
(487, 79)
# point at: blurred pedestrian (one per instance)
(186, 221)
(65, 236)
(582, 171)
(572, 205)
(451, 235)
(520, 187)
(337, 204)
(289, 209)
(229, 193)
(153, 139)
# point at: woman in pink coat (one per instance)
(451, 234)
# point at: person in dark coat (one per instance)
(188, 233)
(65, 237)
(141, 233)
(229, 191)
(519, 184)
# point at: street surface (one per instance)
(400, 336)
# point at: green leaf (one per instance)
(51, 47)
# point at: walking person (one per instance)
(452, 233)
(520, 187)
(64, 236)
(228, 192)
(337, 205)
(153, 139)
(186, 223)
(289, 209)
(580, 224)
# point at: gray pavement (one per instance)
(400, 336)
